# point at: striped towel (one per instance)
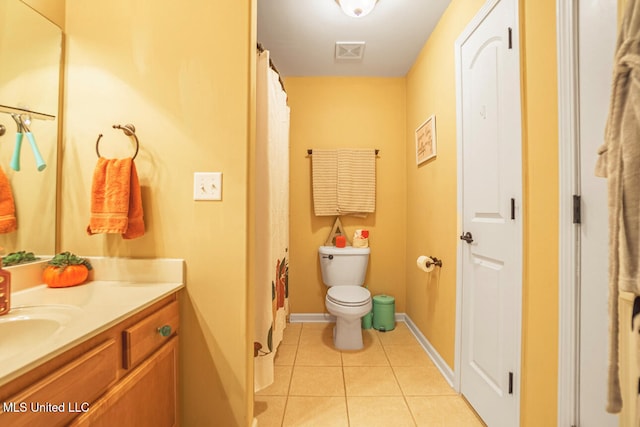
(324, 165)
(356, 182)
(344, 182)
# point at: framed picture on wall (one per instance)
(426, 140)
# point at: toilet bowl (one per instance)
(343, 271)
(348, 304)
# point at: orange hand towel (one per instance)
(116, 202)
(136, 222)
(7, 206)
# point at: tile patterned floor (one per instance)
(391, 382)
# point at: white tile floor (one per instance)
(391, 382)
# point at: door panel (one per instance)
(485, 330)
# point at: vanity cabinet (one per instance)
(126, 375)
(146, 397)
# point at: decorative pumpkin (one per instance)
(65, 269)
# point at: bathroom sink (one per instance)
(27, 327)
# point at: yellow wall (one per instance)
(432, 187)
(31, 80)
(432, 215)
(181, 75)
(190, 105)
(319, 107)
(347, 112)
(540, 152)
(52, 9)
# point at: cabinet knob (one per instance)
(165, 330)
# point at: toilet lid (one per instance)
(349, 295)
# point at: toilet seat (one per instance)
(349, 296)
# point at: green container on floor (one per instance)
(384, 307)
(367, 320)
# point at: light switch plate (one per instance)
(207, 186)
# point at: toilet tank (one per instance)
(343, 266)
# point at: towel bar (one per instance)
(310, 151)
(129, 130)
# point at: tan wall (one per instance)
(30, 80)
(190, 108)
(432, 186)
(52, 9)
(540, 151)
(432, 217)
(348, 112)
(181, 75)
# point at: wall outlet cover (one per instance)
(207, 186)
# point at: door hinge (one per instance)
(577, 214)
(510, 38)
(510, 382)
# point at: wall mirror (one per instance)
(30, 54)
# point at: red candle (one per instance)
(341, 241)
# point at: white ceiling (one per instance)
(301, 36)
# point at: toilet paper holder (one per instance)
(437, 262)
(428, 263)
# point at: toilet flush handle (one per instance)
(327, 256)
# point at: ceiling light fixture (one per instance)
(357, 8)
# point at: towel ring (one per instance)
(128, 130)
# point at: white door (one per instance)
(491, 189)
(596, 41)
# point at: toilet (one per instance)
(343, 271)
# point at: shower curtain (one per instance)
(271, 218)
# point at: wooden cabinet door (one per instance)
(61, 395)
(145, 397)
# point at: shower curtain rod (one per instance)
(310, 151)
(273, 67)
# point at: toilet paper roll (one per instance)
(425, 263)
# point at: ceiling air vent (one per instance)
(349, 51)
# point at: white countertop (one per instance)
(87, 309)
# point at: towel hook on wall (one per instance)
(129, 130)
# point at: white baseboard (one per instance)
(311, 318)
(442, 366)
(325, 317)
